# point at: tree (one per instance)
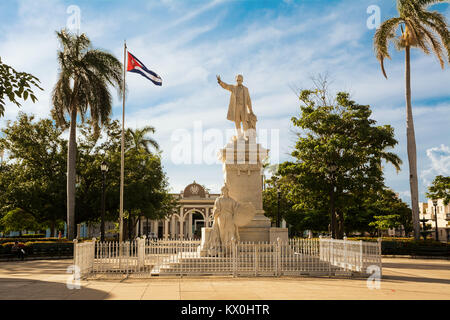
(146, 184)
(35, 177)
(383, 210)
(339, 153)
(34, 180)
(15, 85)
(298, 216)
(440, 189)
(427, 31)
(138, 139)
(384, 223)
(83, 81)
(18, 220)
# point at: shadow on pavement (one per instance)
(35, 266)
(416, 279)
(28, 289)
(421, 266)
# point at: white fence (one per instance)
(83, 257)
(351, 255)
(144, 258)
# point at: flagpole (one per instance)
(122, 156)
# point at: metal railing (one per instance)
(146, 258)
(351, 255)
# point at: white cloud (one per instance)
(440, 164)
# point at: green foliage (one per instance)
(35, 179)
(386, 222)
(24, 238)
(335, 133)
(138, 139)
(17, 220)
(420, 28)
(299, 219)
(15, 85)
(385, 205)
(440, 189)
(92, 72)
(41, 249)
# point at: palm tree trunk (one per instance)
(412, 153)
(71, 174)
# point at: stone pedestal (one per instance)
(203, 249)
(243, 175)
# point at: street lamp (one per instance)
(278, 211)
(435, 203)
(332, 168)
(104, 168)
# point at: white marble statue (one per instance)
(228, 215)
(224, 228)
(240, 109)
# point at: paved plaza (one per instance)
(402, 279)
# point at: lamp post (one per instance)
(435, 203)
(104, 169)
(332, 168)
(278, 209)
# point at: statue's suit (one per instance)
(233, 114)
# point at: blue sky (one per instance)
(276, 45)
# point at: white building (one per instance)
(195, 212)
(427, 211)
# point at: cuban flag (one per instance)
(134, 65)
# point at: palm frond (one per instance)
(427, 3)
(435, 45)
(384, 34)
(92, 72)
(437, 23)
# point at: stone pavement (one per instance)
(402, 279)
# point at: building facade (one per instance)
(428, 210)
(195, 212)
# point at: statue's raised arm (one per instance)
(224, 85)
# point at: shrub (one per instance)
(41, 248)
(21, 239)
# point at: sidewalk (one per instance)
(402, 279)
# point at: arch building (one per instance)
(195, 211)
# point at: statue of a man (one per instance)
(240, 109)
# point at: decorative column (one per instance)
(166, 229)
(190, 225)
(156, 228)
(181, 229)
(172, 228)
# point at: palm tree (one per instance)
(425, 30)
(83, 82)
(138, 140)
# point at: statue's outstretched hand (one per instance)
(218, 79)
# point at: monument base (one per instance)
(251, 234)
(263, 234)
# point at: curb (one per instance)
(36, 258)
(417, 257)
